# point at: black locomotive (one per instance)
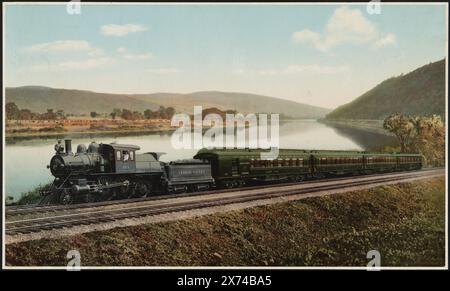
(110, 171)
(115, 171)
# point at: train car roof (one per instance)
(253, 152)
(122, 146)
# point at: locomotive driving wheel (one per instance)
(66, 197)
(142, 189)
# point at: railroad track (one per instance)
(35, 208)
(66, 217)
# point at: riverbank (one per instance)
(51, 128)
(139, 127)
(99, 132)
(404, 222)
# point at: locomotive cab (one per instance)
(121, 157)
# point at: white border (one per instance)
(5, 4)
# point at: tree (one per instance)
(148, 114)
(12, 111)
(430, 138)
(50, 115)
(402, 127)
(94, 114)
(425, 135)
(162, 112)
(25, 114)
(137, 115)
(127, 114)
(170, 111)
(60, 114)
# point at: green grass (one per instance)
(32, 196)
(404, 222)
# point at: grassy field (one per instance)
(404, 222)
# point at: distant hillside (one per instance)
(38, 99)
(420, 92)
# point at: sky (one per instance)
(324, 55)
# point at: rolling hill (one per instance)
(38, 99)
(420, 92)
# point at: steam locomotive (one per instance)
(115, 171)
(109, 171)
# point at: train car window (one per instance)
(270, 164)
(118, 155)
(280, 163)
(132, 155)
(126, 156)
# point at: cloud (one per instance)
(135, 57)
(130, 56)
(64, 46)
(163, 71)
(121, 50)
(310, 69)
(307, 36)
(86, 64)
(346, 26)
(121, 30)
(389, 39)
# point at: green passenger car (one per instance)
(236, 167)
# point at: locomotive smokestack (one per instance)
(68, 143)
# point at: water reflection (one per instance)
(369, 141)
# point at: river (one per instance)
(26, 160)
